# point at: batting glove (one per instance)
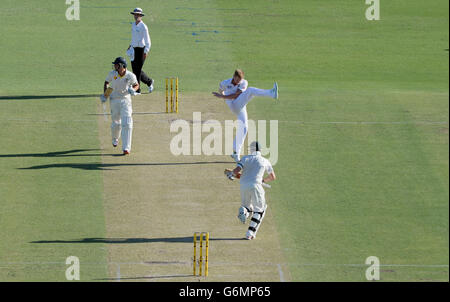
(103, 98)
(230, 175)
(131, 91)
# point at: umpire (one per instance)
(140, 42)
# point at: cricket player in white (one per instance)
(253, 167)
(237, 95)
(124, 84)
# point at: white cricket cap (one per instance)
(137, 11)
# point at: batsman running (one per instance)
(237, 94)
(119, 85)
(251, 170)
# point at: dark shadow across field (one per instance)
(134, 113)
(101, 166)
(54, 154)
(188, 239)
(41, 97)
(146, 277)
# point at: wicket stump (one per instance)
(173, 95)
(203, 236)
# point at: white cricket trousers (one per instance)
(238, 107)
(253, 198)
(122, 122)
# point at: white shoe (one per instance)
(150, 88)
(115, 142)
(250, 236)
(275, 91)
(243, 214)
(235, 157)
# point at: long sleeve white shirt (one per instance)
(140, 36)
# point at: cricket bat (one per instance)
(104, 112)
(107, 93)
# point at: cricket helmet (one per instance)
(121, 61)
(137, 11)
(254, 147)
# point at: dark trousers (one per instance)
(137, 67)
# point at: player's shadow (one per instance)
(40, 97)
(134, 113)
(146, 277)
(101, 166)
(187, 239)
(67, 153)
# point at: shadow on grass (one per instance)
(41, 97)
(134, 113)
(146, 277)
(101, 166)
(188, 239)
(68, 153)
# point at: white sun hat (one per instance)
(137, 11)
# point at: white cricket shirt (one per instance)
(140, 36)
(253, 168)
(229, 88)
(120, 84)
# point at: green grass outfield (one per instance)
(363, 125)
